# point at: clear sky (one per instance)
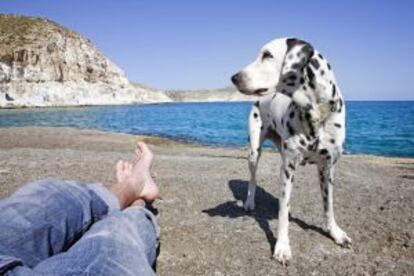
(178, 44)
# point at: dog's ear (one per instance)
(297, 57)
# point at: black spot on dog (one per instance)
(320, 56)
(261, 127)
(258, 149)
(255, 115)
(287, 174)
(291, 166)
(326, 191)
(333, 90)
(311, 85)
(311, 130)
(310, 147)
(302, 142)
(292, 77)
(331, 102)
(292, 114)
(290, 129)
(302, 80)
(257, 104)
(322, 72)
(310, 73)
(328, 157)
(285, 145)
(307, 116)
(341, 103)
(304, 87)
(332, 141)
(291, 84)
(281, 121)
(329, 66)
(337, 125)
(295, 65)
(323, 151)
(315, 63)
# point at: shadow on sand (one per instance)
(267, 208)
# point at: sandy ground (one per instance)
(205, 230)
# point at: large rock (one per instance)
(44, 64)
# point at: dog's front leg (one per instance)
(256, 139)
(282, 250)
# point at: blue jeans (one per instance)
(54, 227)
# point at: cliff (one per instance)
(45, 64)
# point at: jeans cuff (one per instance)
(109, 198)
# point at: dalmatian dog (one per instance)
(301, 110)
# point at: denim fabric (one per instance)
(54, 227)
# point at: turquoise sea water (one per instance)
(380, 128)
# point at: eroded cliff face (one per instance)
(44, 64)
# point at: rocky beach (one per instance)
(205, 230)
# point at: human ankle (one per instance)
(123, 195)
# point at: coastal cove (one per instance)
(373, 127)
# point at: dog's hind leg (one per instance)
(326, 173)
(256, 137)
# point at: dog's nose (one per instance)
(236, 79)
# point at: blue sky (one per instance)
(200, 44)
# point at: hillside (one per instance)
(45, 64)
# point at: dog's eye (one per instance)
(266, 54)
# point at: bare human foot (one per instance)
(134, 181)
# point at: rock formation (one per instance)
(44, 64)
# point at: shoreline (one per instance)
(159, 140)
(124, 104)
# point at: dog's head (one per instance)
(279, 67)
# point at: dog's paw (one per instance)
(249, 205)
(340, 237)
(283, 253)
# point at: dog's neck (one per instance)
(314, 89)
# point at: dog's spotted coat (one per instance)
(302, 111)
